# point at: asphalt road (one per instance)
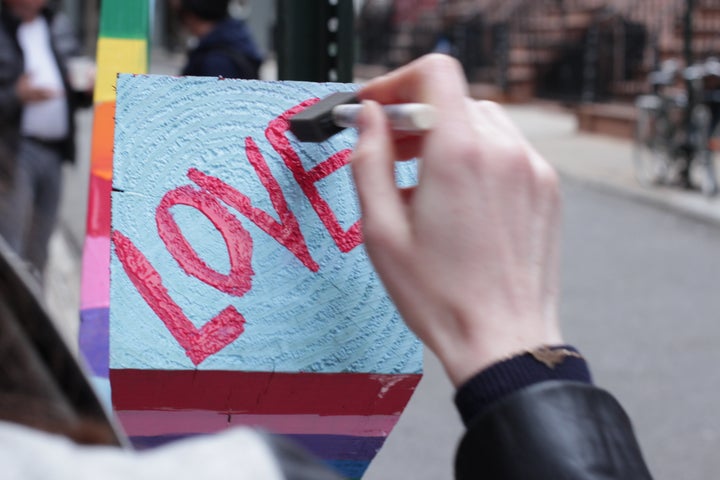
(640, 301)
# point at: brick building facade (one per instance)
(568, 50)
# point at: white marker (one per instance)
(406, 117)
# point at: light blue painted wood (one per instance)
(337, 319)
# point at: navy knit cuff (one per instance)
(508, 376)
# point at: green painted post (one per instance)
(315, 40)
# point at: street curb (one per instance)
(646, 197)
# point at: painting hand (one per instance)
(470, 254)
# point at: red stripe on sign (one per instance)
(98, 218)
(262, 393)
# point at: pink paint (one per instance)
(95, 288)
(286, 232)
(275, 133)
(237, 240)
(170, 422)
(199, 344)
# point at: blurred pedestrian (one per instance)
(37, 127)
(224, 47)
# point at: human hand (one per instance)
(470, 254)
(27, 93)
(82, 73)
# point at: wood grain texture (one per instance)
(241, 293)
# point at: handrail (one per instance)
(41, 384)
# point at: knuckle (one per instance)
(489, 105)
(363, 154)
(518, 165)
(547, 176)
(549, 182)
(468, 151)
(466, 156)
(377, 235)
(440, 62)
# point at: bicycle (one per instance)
(673, 130)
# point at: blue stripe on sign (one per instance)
(350, 469)
(340, 447)
(334, 450)
(94, 339)
(335, 447)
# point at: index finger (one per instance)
(434, 79)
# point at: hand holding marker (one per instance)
(340, 110)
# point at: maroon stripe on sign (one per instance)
(262, 392)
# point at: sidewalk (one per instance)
(600, 161)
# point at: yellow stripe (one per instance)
(115, 55)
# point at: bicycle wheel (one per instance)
(650, 155)
(703, 165)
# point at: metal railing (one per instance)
(584, 50)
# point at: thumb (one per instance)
(373, 165)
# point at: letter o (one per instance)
(237, 240)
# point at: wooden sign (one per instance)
(241, 293)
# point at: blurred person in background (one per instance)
(37, 128)
(224, 46)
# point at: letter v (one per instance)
(286, 232)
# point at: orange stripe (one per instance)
(102, 143)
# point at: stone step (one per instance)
(486, 91)
(628, 90)
(521, 73)
(616, 119)
(527, 55)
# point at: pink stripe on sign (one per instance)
(168, 422)
(95, 289)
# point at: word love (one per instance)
(206, 196)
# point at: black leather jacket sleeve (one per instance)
(552, 430)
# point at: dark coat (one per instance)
(227, 51)
(12, 65)
(552, 430)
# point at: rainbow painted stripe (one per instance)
(345, 427)
(122, 47)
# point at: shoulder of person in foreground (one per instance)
(238, 453)
(544, 428)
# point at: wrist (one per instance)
(482, 335)
(507, 376)
(462, 360)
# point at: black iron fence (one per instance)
(570, 50)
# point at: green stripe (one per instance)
(125, 19)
